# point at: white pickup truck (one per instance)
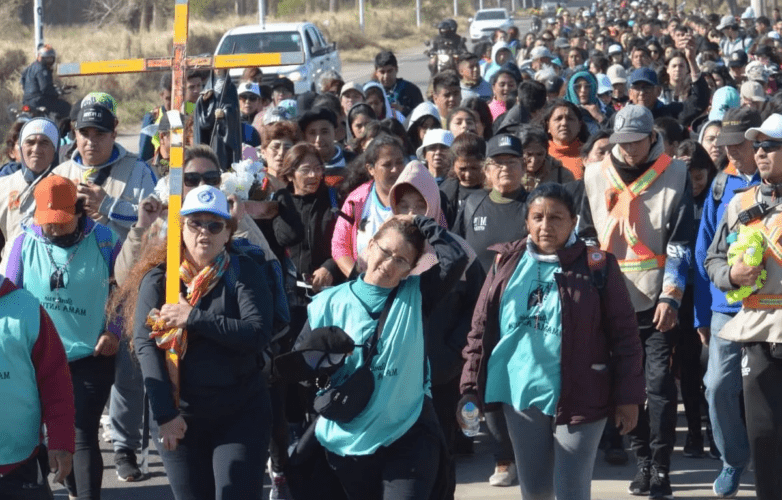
(294, 41)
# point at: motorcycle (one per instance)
(537, 25)
(441, 60)
(19, 111)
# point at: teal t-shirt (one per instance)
(400, 385)
(20, 424)
(77, 309)
(524, 367)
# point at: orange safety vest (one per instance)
(622, 203)
(771, 234)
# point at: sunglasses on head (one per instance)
(193, 179)
(213, 227)
(767, 146)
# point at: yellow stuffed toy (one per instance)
(750, 242)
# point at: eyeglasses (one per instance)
(767, 146)
(397, 261)
(514, 163)
(213, 227)
(307, 171)
(251, 98)
(194, 179)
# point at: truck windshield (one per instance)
(495, 15)
(255, 43)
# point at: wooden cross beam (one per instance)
(178, 64)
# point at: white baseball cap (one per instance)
(434, 136)
(248, 88)
(772, 127)
(603, 84)
(206, 199)
(614, 49)
(753, 91)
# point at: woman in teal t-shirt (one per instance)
(555, 343)
(392, 449)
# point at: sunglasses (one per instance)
(194, 179)
(767, 146)
(251, 98)
(213, 227)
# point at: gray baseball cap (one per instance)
(632, 123)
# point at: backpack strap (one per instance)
(333, 199)
(718, 186)
(597, 260)
(103, 237)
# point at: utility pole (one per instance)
(455, 8)
(361, 14)
(262, 13)
(38, 22)
(417, 13)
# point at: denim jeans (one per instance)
(126, 406)
(723, 393)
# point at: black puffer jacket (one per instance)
(227, 331)
(318, 214)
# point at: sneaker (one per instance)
(105, 422)
(504, 474)
(616, 456)
(280, 490)
(660, 485)
(640, 484)
(727, 483)
(126, 466)
(693, 447)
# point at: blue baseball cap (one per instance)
(646, 75)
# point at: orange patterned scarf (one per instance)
(174, 340)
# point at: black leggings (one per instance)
(222, 458)
(92, 379)
(762, 378)
(405, 469)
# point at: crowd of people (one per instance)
(566, 232)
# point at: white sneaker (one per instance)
(105, 422)
(504, 474)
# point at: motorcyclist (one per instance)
(38, 84)
(448, 39)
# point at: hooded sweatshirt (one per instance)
(447, 326)
(130, 180)
(390, 112)
(572, 96)
(492, 67)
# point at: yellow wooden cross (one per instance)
(179, 64)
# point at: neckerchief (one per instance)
(174, 340)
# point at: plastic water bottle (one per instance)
(471, 418)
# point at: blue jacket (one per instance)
(708, 297)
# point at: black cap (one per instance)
(385, 58)
(316, 352)
(503, 144)
(285, 82)
(95, 116)
(735, 123)
(316, 114)
(509, 69)
(738, 59)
